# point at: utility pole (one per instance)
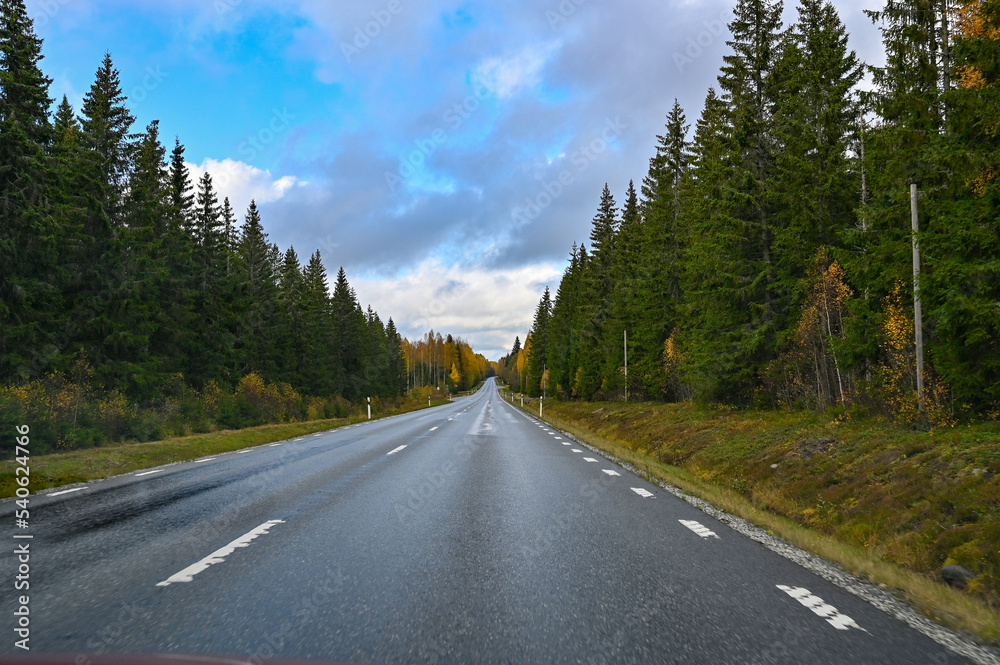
(626, 365)
(918, 319)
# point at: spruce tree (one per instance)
(746, 291)
(255, 341)
(30, 298)
(539, 346)
(322, 370)
(348, 330)
(658, 262)
(107, 123)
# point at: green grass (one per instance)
(96, 463)
(888, 503)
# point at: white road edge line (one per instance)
(432, 429)
(146, 473)
(219, 555)
(821, 608)
(611, 472)
(75, 489)
(576, 450)
(644, 493)
(243, 452)
(700, 529)
(393, 452)
(207, 459)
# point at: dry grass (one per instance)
(889, 504)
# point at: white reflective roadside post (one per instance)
(369, 408)
(540, 407)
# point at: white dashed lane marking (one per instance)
(589, 459)
(432, 429)
(644, 493)
(576, 450)
(219, 555)
(611, 472)
(146, 473)
(699, 529)
(207, 459)
(75, 489)
(241, 452)
(393, 452)
(820, 607)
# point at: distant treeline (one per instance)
(446, 363)
(767, 258)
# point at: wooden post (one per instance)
(626, 364)
(918, 319)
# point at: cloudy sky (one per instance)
(446, 153)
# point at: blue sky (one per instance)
(445, 153)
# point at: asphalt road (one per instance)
(467, 533)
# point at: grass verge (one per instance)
(96, 463)
(888, 504)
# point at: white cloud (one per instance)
(505, 76)
(485, 307)
(242, 182)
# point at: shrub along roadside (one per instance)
(95, 463)
(68, 411)
(889, 504)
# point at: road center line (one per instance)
(219, 555)
(146, 473)
(393, 452)
(75, 489)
